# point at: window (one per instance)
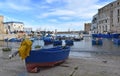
(118, 12)
(118, 19)
(111, 5)
(106, 21)
(19, 27)
(117, 3)
(106, 28)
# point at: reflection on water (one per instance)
(86, 45)
(80, 54)
(85, 48)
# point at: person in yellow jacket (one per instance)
(25, 48)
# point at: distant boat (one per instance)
(116, 41)
(46, 57)
(57, 42)
(78, 38)
(47, 40)
(109, 35)
(12, 40)
(97, 41)
(69, 42)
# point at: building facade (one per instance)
(87, 27)
(2, 31)
(94, 24)
(105, 19)
(13, 26)
(116, 16)
(108, 19)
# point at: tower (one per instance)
(1, 25)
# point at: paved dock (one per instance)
(98, 66)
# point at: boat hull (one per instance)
(97, 42)
(57, 42)
(46, 58)
(48, 41)
(69, 42)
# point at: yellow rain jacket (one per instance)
(25, 48)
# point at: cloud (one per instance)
(65, 17)
(50, 1)
(52, 20)
(52, 13)
(7, 19)
(17, 5)
(58, 12)
(18, 8)
(73, 9)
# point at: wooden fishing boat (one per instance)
(78, 39)
(46, 57)
(57, 42)
(109, 35)
(69, 42)
(97, 41)
(48, 40)
(116, 41)
(12, 40)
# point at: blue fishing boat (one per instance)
(47, 40)
(12, 40)
(109, 35)
(69, 42)
(78, 39)
(46, 57)
(57, 42)
(97, 41)
(116, 41)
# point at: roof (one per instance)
(13, 22)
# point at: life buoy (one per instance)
(25, 48)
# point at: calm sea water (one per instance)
(82, 48)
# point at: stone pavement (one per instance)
(98, 66)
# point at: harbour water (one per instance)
(83, 48)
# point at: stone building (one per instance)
(87, 27)
(94, 24)
(109, 18)
(2, 31)
(116, 16)
(14, 26)
(104, 19)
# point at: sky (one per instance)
(49, 15)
